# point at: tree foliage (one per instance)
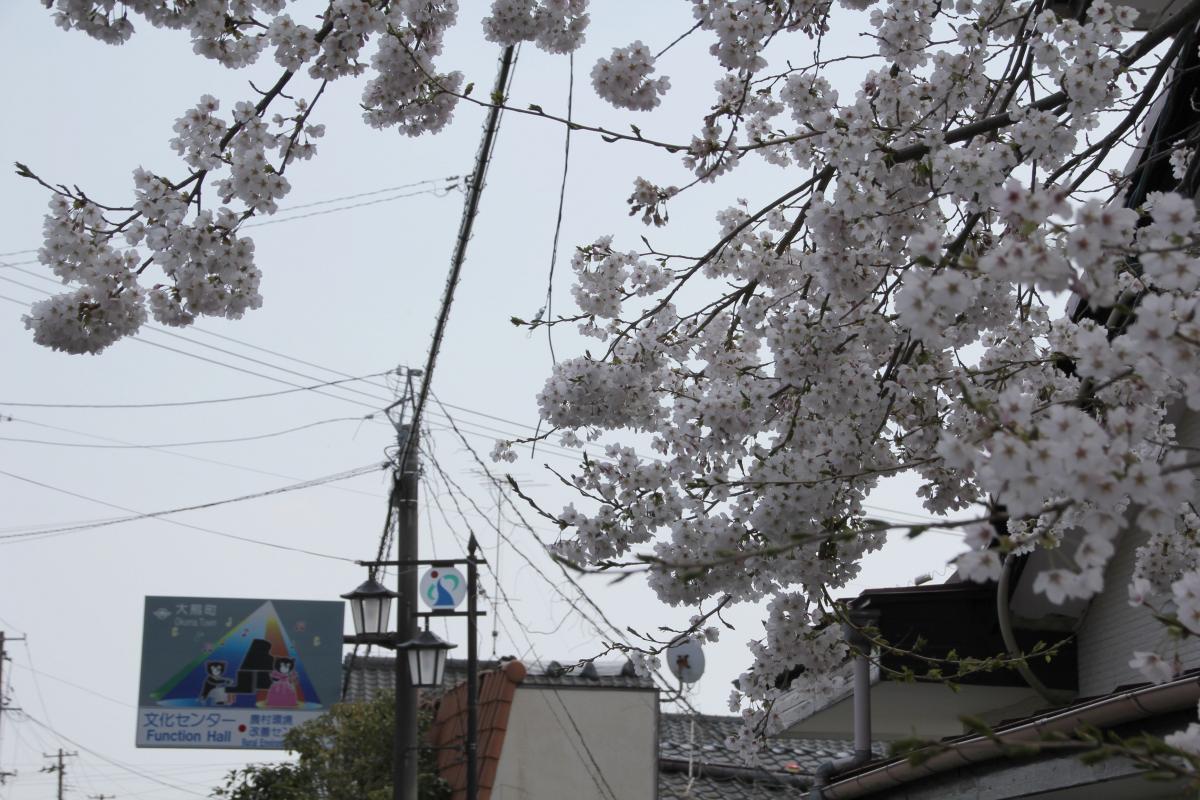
(345, 754)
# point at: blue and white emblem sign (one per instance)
(443, 588)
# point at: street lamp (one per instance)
(426, 659)
(371, 606)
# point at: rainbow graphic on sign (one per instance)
(253, 665)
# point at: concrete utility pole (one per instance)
(60, 768)
(404, 776)
(404, 498)
(3, 698)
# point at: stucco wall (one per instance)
(1112, 629)
(579, 744)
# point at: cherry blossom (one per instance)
(960, 284)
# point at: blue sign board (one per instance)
(235, 673)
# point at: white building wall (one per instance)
(579, 744)
(1112, 629)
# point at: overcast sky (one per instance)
(348, 292)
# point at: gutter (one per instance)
(1109, 711)
(756, 775)
(858, 618)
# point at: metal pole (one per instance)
(472, 674)
(404, 774)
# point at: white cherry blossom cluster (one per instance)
(557, 26)
(623, 78)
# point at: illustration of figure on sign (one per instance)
(254, 664)
(213, 692)
(282, 693)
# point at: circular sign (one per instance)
(442, 588)
(685, 659)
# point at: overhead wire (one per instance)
(595, 773)
(106, 759)
(612, 628)
(487, 431)
(180, 403)
(507, 434)
(188, 456)
(73, 685)
(314, 203)
(236, 439)
(548, 308)
(554, 449)
(180, 523)
(437, 192)
(141, 515)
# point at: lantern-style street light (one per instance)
(426, 659)
(371, 607)
(424, 654)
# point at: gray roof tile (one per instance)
(372, 674)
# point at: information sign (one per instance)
(235, 673)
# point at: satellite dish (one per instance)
(685, 659)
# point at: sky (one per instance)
(351, 289)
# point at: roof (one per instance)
(717, 770)
(678, 786)
(369, 675)
(496, 690)
(1128, 708)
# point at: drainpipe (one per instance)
(1055, 697)
(852, 630)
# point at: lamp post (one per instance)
(371, 609)
(426, 659)
(424, 653)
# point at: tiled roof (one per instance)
(496, 690)
(678, 786)
(784, 768)
(372, 674)
(784, 756)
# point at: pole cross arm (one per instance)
(423, 562)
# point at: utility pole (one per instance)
(3, 697)
(404, 497)
(60, 768)
(404, 775)
(4, 775)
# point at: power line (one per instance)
(439, 192)
(452, 180)
(106, 759)
(188, 525)
(237, 439)
(549, 448)
(597, 777)
(138, 515)
(555, 449)
(373, 192)
(188, 456)
(180, 403)
(619, 633)
(66, 682)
